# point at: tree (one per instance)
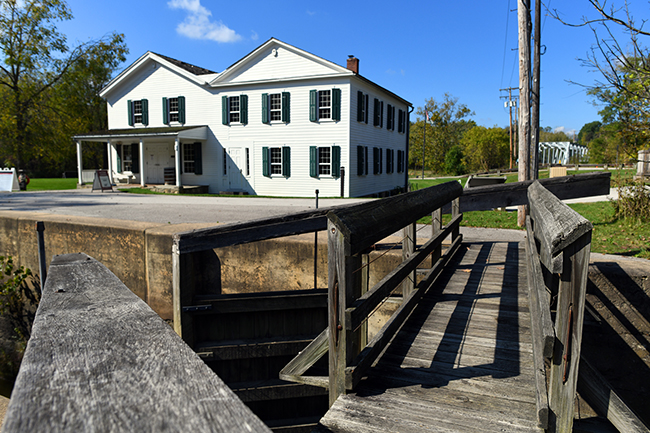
(486, 148)
(448, 122)
(547, 134)
(35, 60)
(624, 67)
(589, 132)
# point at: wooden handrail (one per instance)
(564, 240)
(101, 360)
(351, 232)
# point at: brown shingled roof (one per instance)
(196, 70)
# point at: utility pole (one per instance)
(534, 141)
(510, 103)
(523, 19)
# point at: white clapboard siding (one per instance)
(274, 67)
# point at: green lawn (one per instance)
(610, 235)
(51, 184)
(512, 177)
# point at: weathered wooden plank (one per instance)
(358, 368)
(555, 224)
(263, 301)
(362, 307)
(246, 349)
(101, 360)
(274, 390)
(600, 396)
(367, 223)
(543, 334)
(302, 362)
(515, 193)
(251, 231)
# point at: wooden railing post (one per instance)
(568, 331)
(408, 248)
(455, 211)
(436, 228)
(344, 286)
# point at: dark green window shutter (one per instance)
(313, 161)
(119, 158)
(181, 109)
(375, 113)
(360, 161)
(243, 109)
(399, 120)
(336, 161)
(390, 121)
(286, 161)
(225, 114)
(365, 159)
(336, 104)
(145, 112)
(129, 105)
(360, 99)
(265, 108)
(313, 105)
(381, 114)
(165, 112)
(400, 160)
(265, 162)
(375, 160)
(198, 159)
(286, 107)
(135, 158)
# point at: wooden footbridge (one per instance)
(486, 336)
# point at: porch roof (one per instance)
(188, 132)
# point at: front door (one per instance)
(158, 156)
(234, 168)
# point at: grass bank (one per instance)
(52, 184)
(610, 235)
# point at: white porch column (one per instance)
(79, 163)
(141, 150)
(110, 161)
(177, 160)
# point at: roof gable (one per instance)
(275, 60)
(193, 73)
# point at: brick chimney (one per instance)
(353, 64)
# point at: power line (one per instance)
(505, 43)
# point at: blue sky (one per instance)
(418, 50)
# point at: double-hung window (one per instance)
(378, 117)
(401, 121)
(191, 161)
(234, 110)
(173, 110)
(128, 158)
(400, 161)
(362, 160)
(275, 107)
(276, 161)
(390, 161)
(324, 105)
(138, 112)
(325, 161)
(390, 118)
(377, 159)
(362, 107)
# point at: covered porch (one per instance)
(147, 156)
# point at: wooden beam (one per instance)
(600, 396)
(365, 224)
(515, 193)
(101, 360)
(296, 368)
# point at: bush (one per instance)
(19, 297)
(633, 201)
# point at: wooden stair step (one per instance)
(251, 302)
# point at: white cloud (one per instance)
(254, 35)
(197, 24)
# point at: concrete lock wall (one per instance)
(139, 254)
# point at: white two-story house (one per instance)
(279, 122)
